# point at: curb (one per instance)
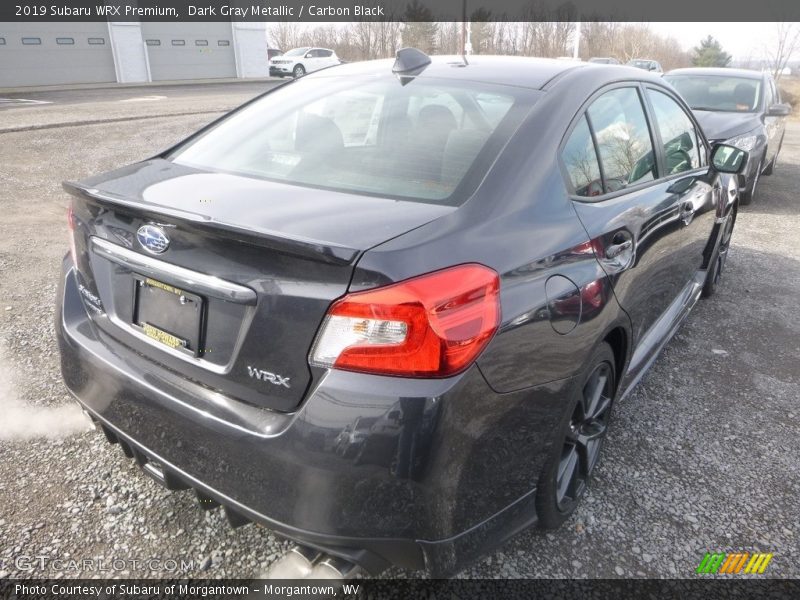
(144, 85)
(102, 121)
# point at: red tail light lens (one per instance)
(71, 226)
(434, 325)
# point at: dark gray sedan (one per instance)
(386, 309)
(740, 107)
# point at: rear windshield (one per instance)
(718, 92)
(419, 139)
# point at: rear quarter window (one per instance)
(580, 160)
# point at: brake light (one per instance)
(71, 226)
(434, 325)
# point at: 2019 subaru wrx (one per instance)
(384, 310)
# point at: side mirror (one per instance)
(779, 110)
(653, 67)
(308, 55)
(728, 159)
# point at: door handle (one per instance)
(615, 250)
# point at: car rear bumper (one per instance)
(378, 470)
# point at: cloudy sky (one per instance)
(742, 40)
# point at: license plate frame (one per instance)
(168, 315)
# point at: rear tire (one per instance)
(716, 265)
(579, 440)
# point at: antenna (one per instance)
(410, 59)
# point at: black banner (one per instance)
(702, 588)
(398, 10)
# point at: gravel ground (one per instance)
(701, 455)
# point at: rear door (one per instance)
(638, 197)
(315, 62)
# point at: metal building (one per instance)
(39, 54)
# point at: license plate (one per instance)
(169, 315)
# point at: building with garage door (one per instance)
(39, 54)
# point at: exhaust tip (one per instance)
(302, 562)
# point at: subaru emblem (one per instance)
(153, 239)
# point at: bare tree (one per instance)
(285, 34)
(786, 45)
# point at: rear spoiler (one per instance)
(280, 242)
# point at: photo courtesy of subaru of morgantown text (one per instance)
(386, 308)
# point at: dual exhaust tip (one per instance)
(302, 562)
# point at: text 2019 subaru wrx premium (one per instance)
(385, 309)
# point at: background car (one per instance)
(645, 63)
(299, 61)
(743, 108)
(386, 310)
(604, 60)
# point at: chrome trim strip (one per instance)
(198, 282)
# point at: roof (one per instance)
(505, 70)
(718, 72)
(519, 71)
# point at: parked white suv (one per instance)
(299, 61)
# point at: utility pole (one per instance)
(464, 28)
(576, 49)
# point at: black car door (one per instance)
(643, 192)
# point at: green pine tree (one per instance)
(710, 54)
(419, 30)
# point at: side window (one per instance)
(677, 134)
(623, 139)
(580, 159)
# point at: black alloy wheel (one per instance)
(581, 437)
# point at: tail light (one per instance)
(71, 225)
(434, 325)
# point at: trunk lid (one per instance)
(250, 268)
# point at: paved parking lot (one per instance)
(701, 456)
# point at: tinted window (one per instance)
(623, 139)
(580, 159)
(677, 134)
(369, 136)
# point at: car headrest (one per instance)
(315, 134)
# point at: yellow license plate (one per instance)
(162, 336)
